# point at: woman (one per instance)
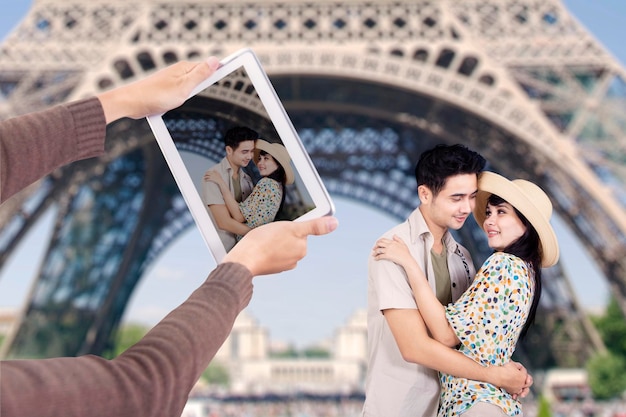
(500, 305)
(268, 195)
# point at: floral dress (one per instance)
(488, 319)
(261, 206)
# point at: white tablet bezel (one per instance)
(301, 162)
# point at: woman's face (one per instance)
(502, 226)
(266, 164)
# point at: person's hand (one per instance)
(394, 250)
(513, 378)
(277, 246)
(164, 90)
(214, 176)
(526, 390)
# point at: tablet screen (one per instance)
(236, 157)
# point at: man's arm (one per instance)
(434, 313)
(416, 345)
(212, 178)
(225, 222)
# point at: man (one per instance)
(239, 144)
(447, 186)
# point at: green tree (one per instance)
(288, 353)
(216, 374)
(315, 352)
(126, 336)
(544, 407)
(612, 328)
(607, 375)
(607, 372)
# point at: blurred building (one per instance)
(255, 370)
(8, 318)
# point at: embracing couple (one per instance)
(234, 203)
(430, 312)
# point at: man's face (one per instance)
(242, 155)
(452, 206)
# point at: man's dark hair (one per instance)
(436, 165)
(235, 135)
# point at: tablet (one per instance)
(238, 105)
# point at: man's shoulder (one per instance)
(417, 223)
(221, 167)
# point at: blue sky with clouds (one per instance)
(308, 304)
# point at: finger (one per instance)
(213, 63)
(524, 393)
(202, 70)
(316, 227)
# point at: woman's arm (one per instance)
(231, 204)
(432, 311)
(263, 203)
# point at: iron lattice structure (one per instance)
(368, 85)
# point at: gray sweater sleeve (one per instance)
(152, 378)
(33, 145)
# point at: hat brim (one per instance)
(515, 194)
(279, 153)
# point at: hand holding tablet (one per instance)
(236, 156)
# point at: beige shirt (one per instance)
(394, 387)
(211, 194)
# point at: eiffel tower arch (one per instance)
(368, 85)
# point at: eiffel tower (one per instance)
(368, 84)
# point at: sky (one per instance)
(307, 305)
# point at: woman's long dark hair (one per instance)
(278, 175)
(528, 248)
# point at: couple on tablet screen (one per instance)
(234, 203)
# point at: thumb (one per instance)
(317, 227)
(213, 63)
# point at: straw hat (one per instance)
(528, 199)
(279, 153)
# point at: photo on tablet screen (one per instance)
(236, 157)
